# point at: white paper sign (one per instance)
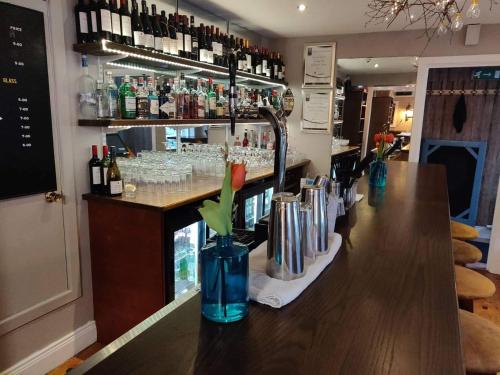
(317, 110)
(318, 65)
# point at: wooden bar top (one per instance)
(202, 188)
(386, 305)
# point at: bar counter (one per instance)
(386, 305)
(340, 150)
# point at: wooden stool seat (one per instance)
(463, 232)
(481, 343)
(472, 285)
(464, 252)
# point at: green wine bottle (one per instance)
(114, 178)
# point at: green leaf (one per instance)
(226, 200)
(213, 216)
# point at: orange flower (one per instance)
(238, 173)
(378, 137)
(389, 138)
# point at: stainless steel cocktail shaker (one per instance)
(306, 233)
(316, 197)
(285, 259)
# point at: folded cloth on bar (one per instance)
(278, 293)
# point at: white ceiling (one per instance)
(386, 65)
(280, 18)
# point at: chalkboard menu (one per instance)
(27, 162)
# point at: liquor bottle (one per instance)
(270, 143)
(180, 36)
(186, 97)
(141, 98)
(187, 38)
(172, 31)
(202, 44)
(149, 39)
(137, 27)
(202, 99)
(237, 142)
(126, 24)
(128, 107)
(164, 33)
(210, 48)
(212, 100)
(104, 27)
(101, 98)
(86, 89)
(157, 33)
(220, 101)
(116, 26)
(193, 106)
(82, 23)
(92, 21)
(112, 95)
(114, 177)
(258, 62)
(179, 99)
(104, 169)
(195, 53)
(170, 105)
(95, 172)
(245, 139)
(153, 104)
(162, 99)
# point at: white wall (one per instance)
(389, 44)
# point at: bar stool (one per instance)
(461, 231)
(464, 252)
(481, 343)
(471, 285)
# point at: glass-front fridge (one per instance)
(256, 207)
(188, 243)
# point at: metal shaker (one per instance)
(306, 234)
(316, 197)
(285, 259)
(325, 182)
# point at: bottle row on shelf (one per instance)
(176, 35)
(146, 98)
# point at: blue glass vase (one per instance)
(224, 280)
(378, 173)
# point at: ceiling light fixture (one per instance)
(301, 7)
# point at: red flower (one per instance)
(238, 173)
(378, 138)
(389, 138)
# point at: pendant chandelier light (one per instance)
(436, 16)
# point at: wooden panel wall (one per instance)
(483, 124)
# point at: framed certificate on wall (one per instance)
(319, 65)
(317, 108)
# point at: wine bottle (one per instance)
(172, 32)
(210, 49)
(164, 33)
(264, 62)
(157, 33)
(114, 177)
(186, 32)
(95, 172)
(241, 56)
(116, 26)
(104, 169)
(82, 23)
(249, 55)
(137, 28)
(216, 46)
(126, 24)
(194, 41)
(202, 44)
(258, 62)
(104, 27)
(149, 39)
(179, 35)
(212, 101)
(276, 67)
(92, 21)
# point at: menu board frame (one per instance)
(319, 104)
(319, 65)
(27, 124)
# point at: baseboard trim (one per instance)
(46, 359)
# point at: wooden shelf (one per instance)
(190, 123)
(137, 58)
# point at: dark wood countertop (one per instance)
(201, 189)
(386, 305)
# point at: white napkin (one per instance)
(278, 293)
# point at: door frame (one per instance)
(426, 63)
(63, 156)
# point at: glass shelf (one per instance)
(190, 123)
(138, 58)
